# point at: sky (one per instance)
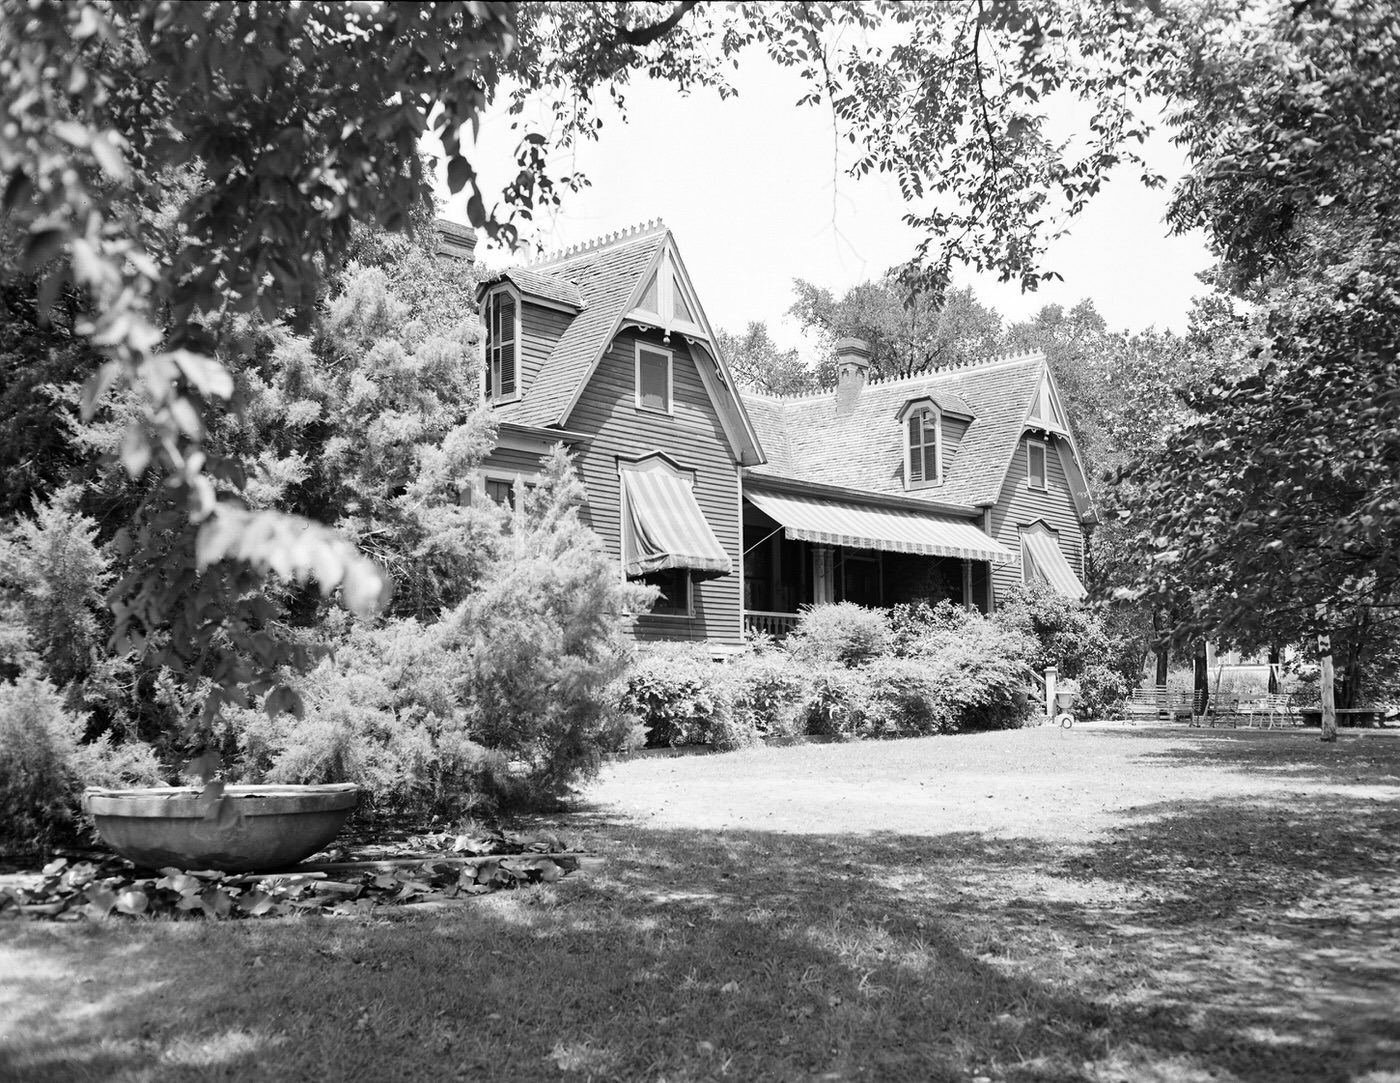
(755, 192)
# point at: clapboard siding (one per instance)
(1019, 505)
(607, 415)
(540, 329)
(507, 462)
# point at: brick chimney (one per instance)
(852, 367)
(455, 240)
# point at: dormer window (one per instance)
(502, 346)
(923, 447)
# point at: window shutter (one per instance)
(916, 459)
(507, 344)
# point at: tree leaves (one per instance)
(83, 890)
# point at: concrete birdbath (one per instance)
(275, 826)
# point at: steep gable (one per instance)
(605, 288)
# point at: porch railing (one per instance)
(777, 625)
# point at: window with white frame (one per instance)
(923, 448)
(1036, 476)
(653, 378)
(502, 319)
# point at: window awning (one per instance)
(1046, 563)
(664, 528)
(830, 522)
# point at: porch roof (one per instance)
(831, 522)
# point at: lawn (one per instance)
(1092, 904)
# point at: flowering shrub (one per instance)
(769, 693)
(844, 633)
(677, 694)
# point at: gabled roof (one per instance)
(535, 285)
(807, 440)
(602, 281)
(606, 275)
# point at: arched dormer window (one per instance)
(502, 320)
(923, 444)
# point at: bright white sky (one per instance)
(755, 192)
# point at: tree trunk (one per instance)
(1159, 649)
(1351, 669)
(1275, 656)
(1202, 677)
(1329, 703)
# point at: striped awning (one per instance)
(1045, 563)
(663, 527)
(894, 530)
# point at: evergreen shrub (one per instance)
(44, 766)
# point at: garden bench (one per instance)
(1263, 710)
(1170, 703)
(1346, 716)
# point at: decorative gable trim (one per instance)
(1061, 439)
(719, 385)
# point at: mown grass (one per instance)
(1091, 906)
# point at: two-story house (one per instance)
(741, 507)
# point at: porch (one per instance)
(801, 551)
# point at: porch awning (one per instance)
(829, 522)
(664, 528)
(1045, 562)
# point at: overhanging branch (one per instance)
(645, 35)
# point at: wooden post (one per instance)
(1050, 672)
(1200, 677)
(1159, 651)
(1325, 679)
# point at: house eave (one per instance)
(520, 437)
(774, 484)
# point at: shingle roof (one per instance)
(605, 276)
(546, 287)
(807, 441)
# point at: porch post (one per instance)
(1050, 672)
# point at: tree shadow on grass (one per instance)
(1254, 942)
(1364, 756)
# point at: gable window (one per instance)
(1035, 464)
(502, 346)
(923, 447)
(653, 378)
